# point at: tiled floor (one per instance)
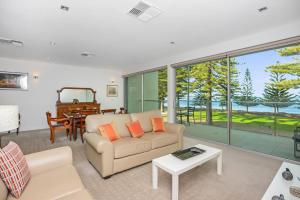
(264, 143)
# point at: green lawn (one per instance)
(255, 122)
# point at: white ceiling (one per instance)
(121, 41)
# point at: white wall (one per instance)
(282, 32)
(41, 95)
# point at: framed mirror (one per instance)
(76, 95)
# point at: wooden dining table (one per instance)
(74, 118)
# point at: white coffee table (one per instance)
(175, 166)
(280, 186)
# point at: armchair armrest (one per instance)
(98, 142)
(60, 119)
(176, 129)
(66, 121)
(48, 160)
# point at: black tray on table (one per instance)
(188, 153)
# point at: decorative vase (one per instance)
(287, 174)
(280, 197)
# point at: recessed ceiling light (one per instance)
(65, 8)
(172, 42)
(52, 43)
(262, 9)
(11, 42)
(17, 43)
(87, 54)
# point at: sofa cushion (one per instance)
(52, 184)
(160, 139)
(130, 146)
(80, 195)
(94, 121)
(145, 118)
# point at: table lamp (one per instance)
(9, 117)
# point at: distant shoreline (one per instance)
(292, 109)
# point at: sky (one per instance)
(257, 63)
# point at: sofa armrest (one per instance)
(48, 160)
(100, 152)
(98, 142)
(177, 129)
(174, 128)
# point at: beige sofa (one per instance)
(113, 157)
(52, 177)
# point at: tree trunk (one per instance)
(162, 106)
(209, 112)
(209, 98)
(275, 120)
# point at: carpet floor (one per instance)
(245, 175)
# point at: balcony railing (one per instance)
(275, 118)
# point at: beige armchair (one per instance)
(53, 176)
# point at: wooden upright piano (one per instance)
(72, 99)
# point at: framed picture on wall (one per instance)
(112, 90)
(13, 81)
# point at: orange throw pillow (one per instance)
(135, 129)
(109, 131)
(158, 124)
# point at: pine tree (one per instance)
(182, 79)
(202, 86)
(276, 96)
(292, 68)
(162, 87)
(210, 81)
(221, 76)
(246, 97)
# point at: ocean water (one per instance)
(292, 109)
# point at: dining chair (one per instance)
(179, 114)
(81, 124)
(190, 114)
(56, 124)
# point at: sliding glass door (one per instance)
(201, 95)
(151, 100)
(251, 101)
(148, 91)
(266, 109)
(134, 93)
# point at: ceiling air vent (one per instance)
(144, 11)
